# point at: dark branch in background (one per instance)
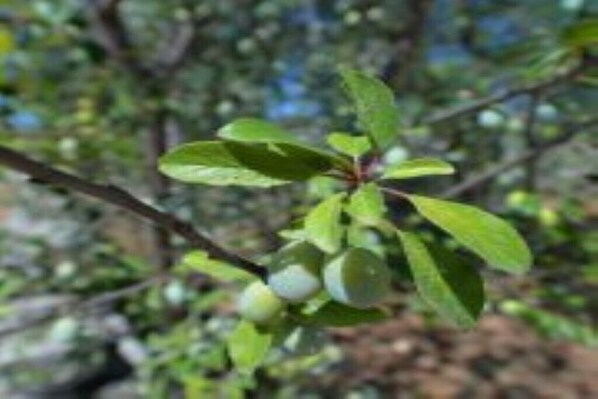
(75, 306)
(526, 156)
(121, 198)
(407, 47)
(110, 33)
(504, 95)
(530, 139)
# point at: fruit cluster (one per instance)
(299, 271)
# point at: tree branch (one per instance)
(526, 156)
(121, 198)
(503, 95)
(111, 35)
(84, 305)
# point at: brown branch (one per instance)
(504, 95)
(86, 305)
(121, 198)
(175, 52)
(526, 156)
(111, 34)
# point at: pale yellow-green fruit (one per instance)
(294, 273)
(358, 278)
(259, 304)
(549, 217)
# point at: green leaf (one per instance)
(374, 104)
(449, 285)
(493, 239)
(255, 131)
(354, 146)
(366, 205)
(282, 160)
(231, 163)
(211, 162)
(334, 314)
(248, 347)
(7, 42)
(581, 34)
(418, 167)
(323, 224)
(552, 325)
(199, 261)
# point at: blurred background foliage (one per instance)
(101, 88)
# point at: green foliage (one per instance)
(417, 168)
(94, 114)
(356, 281)
(445, 281)
(552, 325)
(366, 205)
(199, 261)
(212, 163)
(248, 347)
(334, 314)
(581, 34)
(323, 224)
(255, 131)
(375, 106)
(354, 146)
(233, 163)
(493, 239)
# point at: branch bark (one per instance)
(85, 305)
(526, 156)
(117, 196)
(504, 95)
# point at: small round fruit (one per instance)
(294, 273)
(357, 278)
(548, 217)
(259, 304)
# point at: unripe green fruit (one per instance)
(294, 273)
(259, 304)
(548, 217)
(357, 278)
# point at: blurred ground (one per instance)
(501, 358)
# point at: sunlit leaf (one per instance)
(353, 146)
(334, 314)
(248, 347)
(493, 239)
(255, 131)
(418, 167)
(581, 34)
(447, 283)
(367, 204)
(232, 163)
(374, 104)
(199, 261)
(323, 224)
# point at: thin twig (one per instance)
(504, 95)
(86, 305)
(395, 193)
(526, 156)
(121, 198)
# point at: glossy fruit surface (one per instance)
(294, 273)
(259, 304)
(357, 278)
